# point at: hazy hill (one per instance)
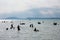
(34, 13)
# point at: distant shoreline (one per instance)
(30, 19)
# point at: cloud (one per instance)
(45, 12)
(7, 6)
(12, 5)
(35, 12)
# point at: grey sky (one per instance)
(8, 6)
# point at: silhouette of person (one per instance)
(18, 28)
(31, 25)
(11, 26)
(36, 30)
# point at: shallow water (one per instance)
(47, 31)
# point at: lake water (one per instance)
(47, 31)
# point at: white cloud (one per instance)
(44, 12)
(7, 6)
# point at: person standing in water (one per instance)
(18, 28)
(11, 26)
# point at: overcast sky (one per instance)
(8, 6)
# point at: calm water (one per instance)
(47, 31)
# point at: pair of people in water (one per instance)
(12, 27)
(36, 30)
(18, 27)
